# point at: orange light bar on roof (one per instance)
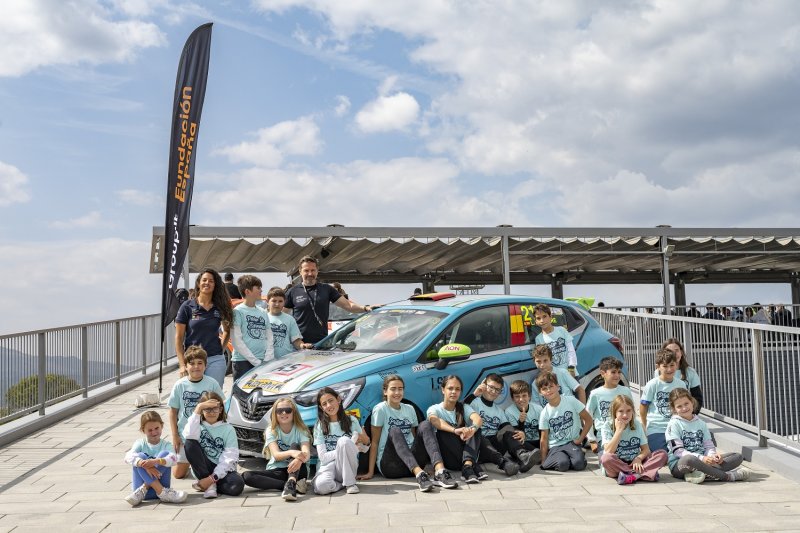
(433, 296)
(517, 328)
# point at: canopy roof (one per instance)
(476, 255)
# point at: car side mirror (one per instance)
(452, 352)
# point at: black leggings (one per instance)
(494, 447)
(232, 484)
(455, 452)
(273, 479)
(398, 460)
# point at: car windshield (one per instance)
(385, 330)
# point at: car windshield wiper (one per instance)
(347, 346)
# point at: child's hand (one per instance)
(294, 465)
(619, 425)
(176, 443)
(208, 404)
(480, 390)
(153, 471)
(523, 417)
(363, 438)
(637, 465)
(709, 460)
(366, 476)
(520, 436)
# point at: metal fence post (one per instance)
(117, 352)
(144, 345)
(42, 373)
(759, 385)
(85, 361)
(637, 331)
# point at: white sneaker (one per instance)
(741, 474)
(172, 496)
(302, 486)
(353, 489)
(696, 477)
(136, 497)
(211, 492)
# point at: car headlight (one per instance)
(347, 391)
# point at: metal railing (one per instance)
(774, 314)
(750, 373)
(42, 368)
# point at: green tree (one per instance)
(25, 394)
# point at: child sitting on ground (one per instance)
(600, 398)
(563, 425)
(152, 458)
(654, 409)
(524, 415)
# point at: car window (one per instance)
(384, 330)
(562, 316)
(483, 330)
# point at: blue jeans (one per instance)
(216, 367)
(657, 441)
(141, 477)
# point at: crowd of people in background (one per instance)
(774, 314)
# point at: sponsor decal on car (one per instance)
(265, 383)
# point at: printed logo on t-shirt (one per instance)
(627, 450)
(559, 349)
(560, 426)
(190, 401)
(403, 424)
(604, 406)
(490, 423)
(212, 447)
(662, 404)
(692, 440)
(532, 430)
(279, 332)
(282, 446)
(256, 326)
(331, 440)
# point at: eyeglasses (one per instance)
(284, 410)
(492, 388)
(210, 410)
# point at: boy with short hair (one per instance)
(654, 409)
(184, 398)
(251, 336)
(285, 333)
(524, 415)
(542, 357)
(563, 425)
(600, 399)
(557, 338)
(497, 432)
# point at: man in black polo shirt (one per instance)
(230, 286)
(309, 302)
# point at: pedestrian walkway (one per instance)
(71, 477)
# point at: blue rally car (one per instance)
(414, 338)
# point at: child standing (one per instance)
(404, 445)
(183, 399)
(568, 385)
(654, 409)
(557, 338)
(152, 458)
(498, 434)
(336, 436)
(285, 333)
(686, 373)
(288, 445)
(692, 454)
(600, 398)
(524, 415)
(563, 425)
(251, 335)
(459, 443)
(212, 448)
(626, 456)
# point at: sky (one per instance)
(416, 113)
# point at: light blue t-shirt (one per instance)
(252, 323)
(152, 450)
(493, 417)
(531, 419)
(656, 396)
(692, 432)
(334, 433)
(285, 441)
(630, 444)
(690, 380)
(284, 332)
(385, 417)
(215, 438)
(185, 396)
(563, 421)
(566, 386)
(450, 416)
(599, 403)
(558, 341)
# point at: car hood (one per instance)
(296, 372)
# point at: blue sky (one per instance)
(569, 113)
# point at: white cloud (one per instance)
(342, 105)
(387, 113)
(39, 33)
(139, 198)
(91, 219)
(139, 8)
(13, 185)
(273, 144)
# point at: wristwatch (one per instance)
(215, 477)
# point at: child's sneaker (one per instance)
(302, 486)
(626, 479)
(526, 460)
(424, 481)
(290, 491)
(196, 486)
(445, 480)
(740, 474)
(353, 489)
(468, 475)
(509, 467)
(172, 496)
(696, 477)
(210, 492)
(136, 497)
(479, 472)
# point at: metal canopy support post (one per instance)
(557, 286)
(506, 266)
(680, 292)
(666, 251)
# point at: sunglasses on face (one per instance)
(284, 410)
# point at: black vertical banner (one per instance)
(190, 90)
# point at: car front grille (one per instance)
(253, 411)
(250, 440)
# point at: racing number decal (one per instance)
(291, 368)
(517, 324)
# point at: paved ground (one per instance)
(71, 477)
